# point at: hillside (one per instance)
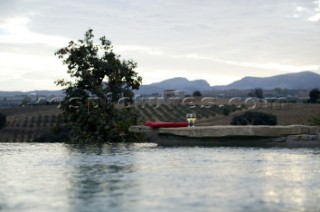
(24, 124)
(178, 83)
(301, 80)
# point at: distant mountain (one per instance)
(178, 83)
(39, 92)
(301, 80)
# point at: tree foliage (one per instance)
(98, 79)
(197, 94)
(314, 95)
(254, 118)
(257, 92)
(3, 120)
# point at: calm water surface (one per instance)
(144, 177)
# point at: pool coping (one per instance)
(229, 135)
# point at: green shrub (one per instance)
(254, 118)
(226, 110)
(3, 120)
(315, 120)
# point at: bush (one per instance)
(3, 120)
(315, 120)
(56, 135)
(226, 110)
(314, 95)
(254, 118)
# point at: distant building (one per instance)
(166, 94)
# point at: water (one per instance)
(144, 177)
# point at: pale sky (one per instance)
(216, 40)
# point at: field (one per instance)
(27, 123)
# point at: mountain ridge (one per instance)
(176, 83)
(299, 80)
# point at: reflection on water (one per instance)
(99, 174)
(143, 177)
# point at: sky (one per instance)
(220, 41)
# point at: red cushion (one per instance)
(158, 124)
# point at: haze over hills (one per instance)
(301, 80)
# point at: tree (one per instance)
(3, 120)
(99, 78)
(26, 100)
(314, 95)
(196, 94)
(257, 92)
